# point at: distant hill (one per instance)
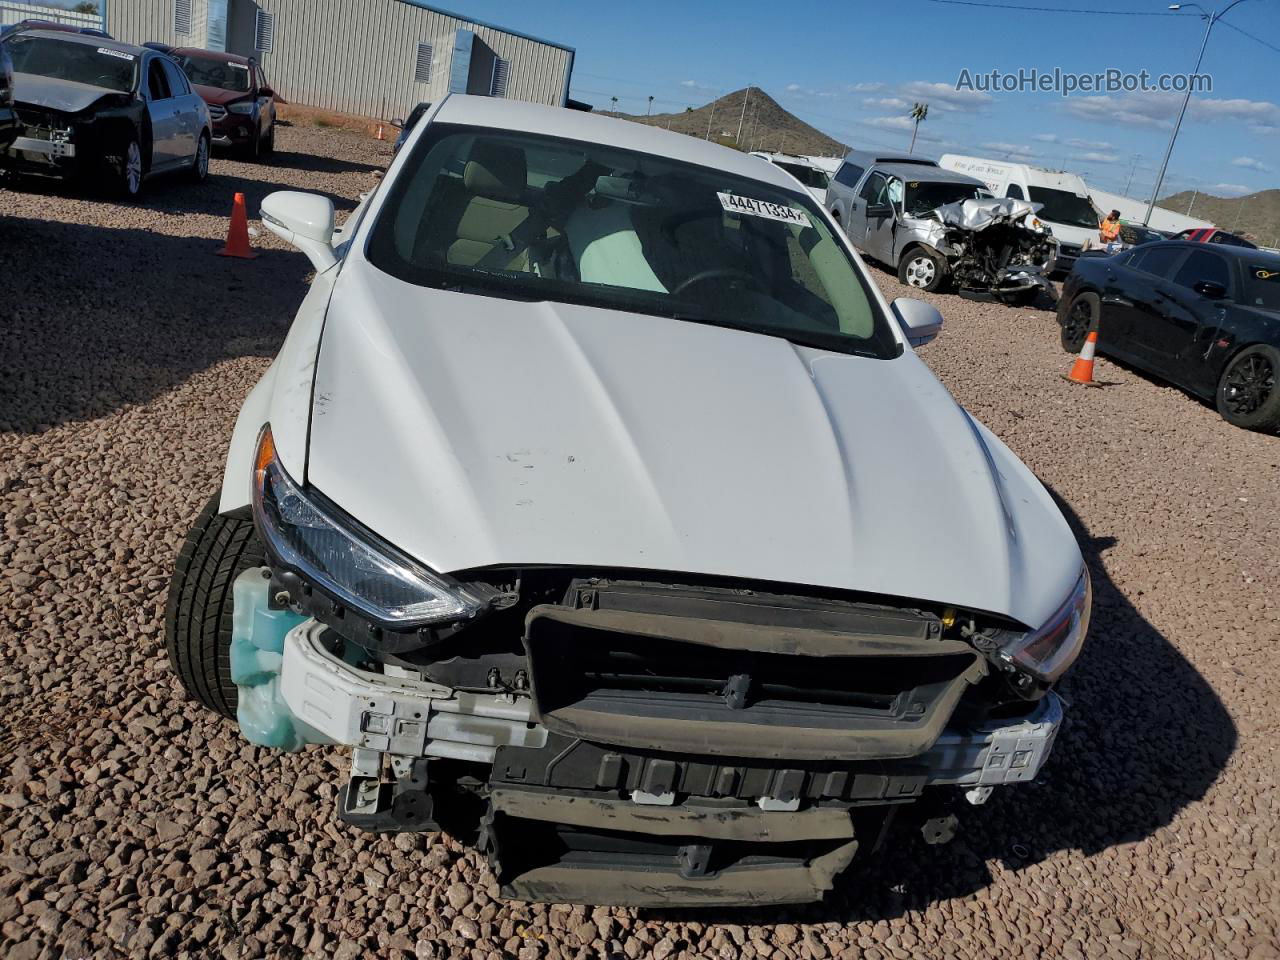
(1257, 214)
(765, 125)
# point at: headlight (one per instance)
(332, 551)
(1047, 652)
(240, 107)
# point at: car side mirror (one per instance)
(879, 211)
(920, 322)
(1209, 289)
(303, 220)
(266, 92)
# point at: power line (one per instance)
(1265, 43)
(1104, 13)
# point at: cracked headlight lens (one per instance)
(335, 553)
(1046, 653)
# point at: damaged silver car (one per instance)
(598, 505)
(939, 228)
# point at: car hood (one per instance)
(66, 96)
(218, 95)
(474, 431)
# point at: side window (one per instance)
(849, 174)
(1158, 260)
(1014, 191)
(177, 79)
(873, 190)
(1203, 265)
(157, 84)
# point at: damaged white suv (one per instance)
(598, 503)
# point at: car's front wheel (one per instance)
(923, 270)
(200, 162)
(198, 615)
(124, 169)
(1082, 316)
(1248, 395)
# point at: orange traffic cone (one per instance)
(1082, 369)
(238, 235)
(379, 135)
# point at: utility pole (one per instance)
(710, 117)
(745, 97)
(1128, 183)
(1211, 18)
(1195, 191)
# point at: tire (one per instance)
(1082, 316)
(200, 162)
(269, 145)
(197, 623)
(1248, 392)
(922, 270)
(253, 149)
(125, 169)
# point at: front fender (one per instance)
(282, 398)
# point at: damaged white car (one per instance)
(598, 503)
(938, 228)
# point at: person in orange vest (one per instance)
(1109, 230)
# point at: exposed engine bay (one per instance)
(996, 246)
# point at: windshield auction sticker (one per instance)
(116, 53)
(762, 208)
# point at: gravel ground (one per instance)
(133, 823)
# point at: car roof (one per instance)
(499, 113)
(88, 40)
(865, 158)
(211, 54)
(912, 171)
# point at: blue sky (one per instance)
(853, 69)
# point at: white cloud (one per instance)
(1045, 137)
(946, 97)
(1080, 144)
(1021, 151)
(887, 103)
(1093, 156)
(1160, 110)
(901, 123)
(1250, 163)
(865, 87)
(1229, 189)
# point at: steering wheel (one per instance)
(714, 273)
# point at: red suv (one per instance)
(241, 105)
(1214, 235)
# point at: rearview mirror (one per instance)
(920, 321)
(879, 211)
(303, 220)
(1210, 289)
(398, 123)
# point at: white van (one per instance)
(1067, 208)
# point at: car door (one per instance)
(1153, 306)
(842, 191)
(187, 111)
(1128, 298)
(1190, 321)
(162, 111)
(873, 186)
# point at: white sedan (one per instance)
(598, 503)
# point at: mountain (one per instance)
(765, 125)
(1257, 214)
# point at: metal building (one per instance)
(371, 57)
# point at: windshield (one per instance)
(69, 60)
(222, 74)
(1063, 207)
(1262, 289)
(923, 196)
(809, 176)
(532, 217)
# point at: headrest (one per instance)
(496, 171)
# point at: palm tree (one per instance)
(615, 105)
(650, 110)
(918, 112)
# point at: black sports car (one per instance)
(1205, 318)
